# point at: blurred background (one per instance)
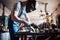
(41, 16)
(53, 7)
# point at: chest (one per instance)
(22, 15)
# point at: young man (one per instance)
(16, 20)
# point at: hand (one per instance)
(21, 26)
(27, 24)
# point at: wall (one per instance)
(52, 5)
(7, 11)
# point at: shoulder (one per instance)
(17, 5)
